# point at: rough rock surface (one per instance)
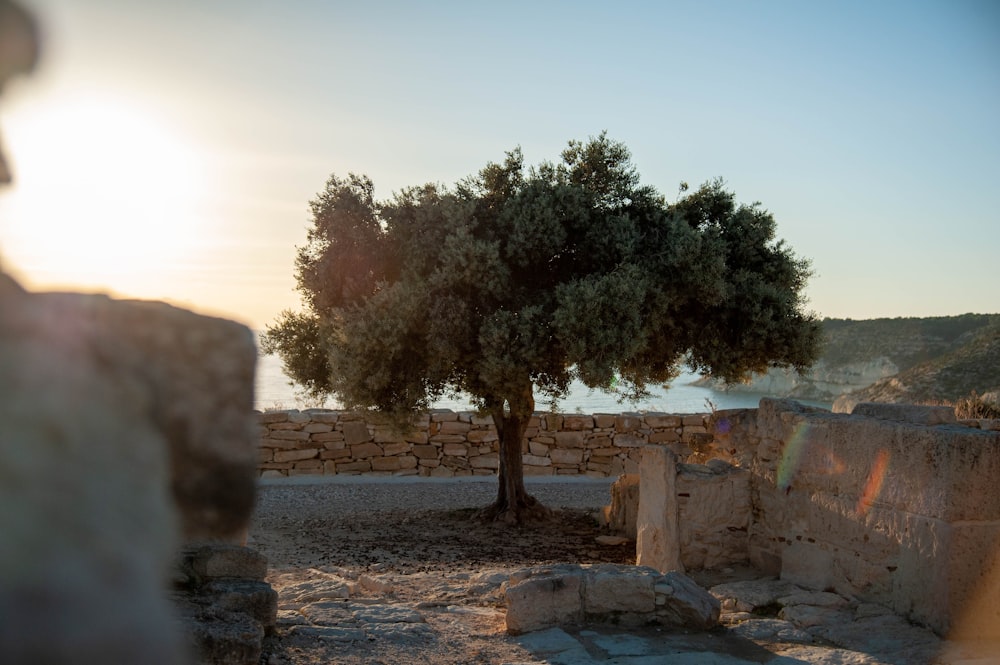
(122, 426)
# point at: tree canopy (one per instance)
(519, 280)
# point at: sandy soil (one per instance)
(356, 541)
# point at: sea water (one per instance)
(274, 390)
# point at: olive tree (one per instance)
(514, 282)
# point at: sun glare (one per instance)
(105, 197)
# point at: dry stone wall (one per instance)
(894, 504)
(445, 444)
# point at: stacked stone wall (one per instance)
(445, 443)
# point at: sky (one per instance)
(168, 149)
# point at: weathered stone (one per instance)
(657, 531)
(390, 449)
(140, 415)
(366, 450)
(385, 464)
(685, 603)
(535, 460)
(907, 413)
(491, 461)
(566, 456)
(549, 597)
(455, 449)
(295, 455)
(610, 588)
(356, 433)
(217, 560)
(578, 423)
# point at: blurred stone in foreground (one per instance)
(124, 426)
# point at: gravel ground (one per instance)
(305, 497)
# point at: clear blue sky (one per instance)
(870, 129)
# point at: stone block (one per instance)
(356, 432)
(550, 597)
(365, 450)
(425, 451)
(336, 453)
(448, 438)
(443, 416)
(662, 421)
(605, 420)
(566, 456)
(536, 460)
(288, 435)
(538, 449)
(681, 602)
(907, 413)
(386, 464)
(569, 439)
(391, 449)
(627, 423)
(317, 428)
(455, 427)
(215, 561)
(657, 529)
(328, 437)
(455, 450)
(269, 417)
(577, 423)
(532, 470)
(295, 455)
(353, 467)
(610, 588)
(325, 417)
(482, 436)
(490, 461)
(629, 440)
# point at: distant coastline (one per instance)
(273, 391)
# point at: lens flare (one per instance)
(873, 486)
(792, 456)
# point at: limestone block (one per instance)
(386, 464)
(323, 416)
(566, 456)
(532, 470)
(407, 462)
(538, 449)
(356, 432)
(417, 437)
(288, 435)
(391, 449)
(448, 438)
(354, 467)
(681, 602)
(604, 420)
(490, 461)
(907, 413)
(627, 423)
(365, 450)
(536, 460)
(425, 451)
(296, 416)
(629, 440)
(295, 455)
(388, 435)
(610, 588)
(335, 453)
(482, 436)
(662, 421)
(443, 416)
(550, 597)
(455, 427)
(657, 532)
(455, 449)
(577, 423)
(569, 439)
(272, 417)
(329, 437)
(317, 428)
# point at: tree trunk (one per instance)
(513, 504)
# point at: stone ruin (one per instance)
(126, 432)
(895, 505)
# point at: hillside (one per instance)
(972, 364)
(902, 359)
